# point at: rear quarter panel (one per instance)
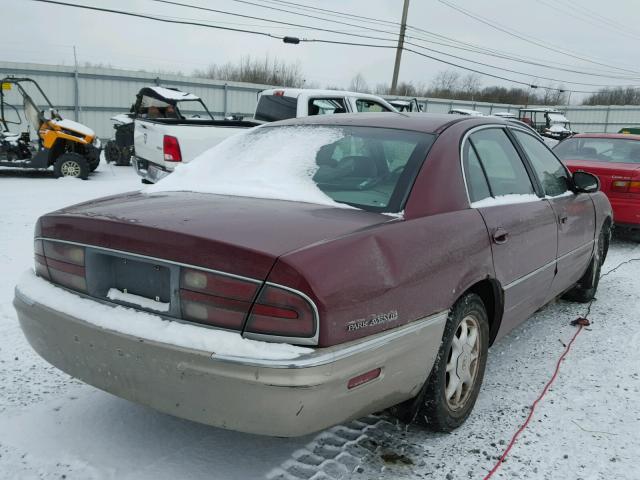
(392, 274)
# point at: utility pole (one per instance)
(403, 27)
(76, 87)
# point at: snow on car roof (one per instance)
(465, 111)
(171, 94)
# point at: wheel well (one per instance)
(491, 294)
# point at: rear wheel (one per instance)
(112, 152)
(585, 289)
(71, 165)
(125, 157)
(454, 382)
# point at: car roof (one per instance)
(421, 122)
(547, 110)
(626, 136)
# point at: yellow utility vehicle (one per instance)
(72, 149)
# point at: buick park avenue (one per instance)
(316, 270)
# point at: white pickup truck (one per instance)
(165, 137)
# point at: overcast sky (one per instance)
(42, 33)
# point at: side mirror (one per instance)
(584, 182)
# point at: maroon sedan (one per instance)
(615, 159)
(316, 270)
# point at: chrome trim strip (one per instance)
(544, 267)
(112, 250)
(529, 275)
(575, 250)
(340, 352)
(256, 336)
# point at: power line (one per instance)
(326, 41)
(369, 37)
(473, 49)
(159, 19)
(528, 39)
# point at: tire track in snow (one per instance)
(346, 450)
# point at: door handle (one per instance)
(143, 126)
(500, 236)
(562, 219)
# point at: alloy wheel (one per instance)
(70, 168)
(462, 363)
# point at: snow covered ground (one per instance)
(53, 427)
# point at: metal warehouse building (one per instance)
(93, 95)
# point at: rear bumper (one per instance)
(148, 170)
(626, 211)
(268, 397)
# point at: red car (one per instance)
(320, 269)
(615, 160)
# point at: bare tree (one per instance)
(359, 84)
(382, 89)
(445, 83)
(266, 71)
(470, 85)
(614, 96)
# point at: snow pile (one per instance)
(266, 162)
(75, 126)
(171, 94)
(506, 200)
(138, 324)
(118, 296)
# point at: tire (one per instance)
(112, 152)
(71, 165)
(585, 289)
(437, 408)
(125, 157)
(93, 164)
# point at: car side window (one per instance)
(363, 105)
(552, 174)
(502, 164)
(476, 180)
(326, 106)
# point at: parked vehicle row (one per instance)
(353, 262)
(161, 143)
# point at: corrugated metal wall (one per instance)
(103, 93)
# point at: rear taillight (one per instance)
(283, 313)
(61, 263)
(171, 149)
(625, 186)
(215, 299)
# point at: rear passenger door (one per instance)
(521, 225)
(575, 213)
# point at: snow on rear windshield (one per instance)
(338, 166)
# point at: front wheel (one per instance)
(71, 165)
(585, 289)
(454, 383)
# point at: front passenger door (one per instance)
(575, 213)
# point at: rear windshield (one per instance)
(599, 149)
(272, 108)
(364, 167)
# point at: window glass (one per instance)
(326, 106)
(599, 149)
(504, 168)
(371, 168)
(476, 180)
(363, 105)
(272, 108)
(550, 171)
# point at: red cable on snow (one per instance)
(533, 407)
